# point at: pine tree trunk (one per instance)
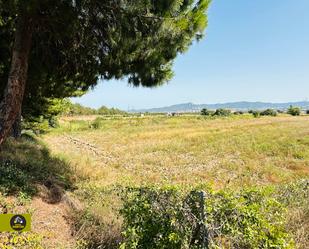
(16, 129)
(10, 106)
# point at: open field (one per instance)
(225, 152)
(233, 153)
(73, 179)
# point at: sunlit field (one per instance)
(77, 180)
(231, 152)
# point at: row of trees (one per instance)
(77, 109)
(218, 112)
(53, 49)
(292, 110)
(42, 122)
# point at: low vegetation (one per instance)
(40, 121)
(166, 218)
(294, 111)
(33, 181)
(130, 180)
(219, 112)
(77, 110)
(269, 112)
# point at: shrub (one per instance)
(53, 122)
(206, 112)
(256, 114)
(168, 218)
(307, 112)
(238, 113)
(222, 112)
(37, 125)
(96, 124)
(294, 111)
(26, 163)
(269, 112)
(41, 124)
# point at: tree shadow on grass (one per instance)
(27, 167)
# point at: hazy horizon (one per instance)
(216, 103)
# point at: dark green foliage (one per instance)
(78, 109)
(222, 112)
(238, 113)
(41, 114)
(53, 122)
(103, 110)
(77, 43)
(294, 111)
(307, 112)
(38, 125)
(206, 112)
(45, 107)
(26, 163)
(256, 114)
(40, 120)
(156, 219)
(164, 218)
(269, 112)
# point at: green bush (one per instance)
(222, 112)
(38, 125)
(269, 112)
(307, 112)
(168, 218)
(238, 113)
(256, 114)
(97, 123)
(53, 122)
(206, 112)
(294, 111)
(26, 163)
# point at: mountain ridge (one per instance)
(240, 105)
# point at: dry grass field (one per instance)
(71, 178)
(232, 153)
(225, 152)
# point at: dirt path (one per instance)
(51, 221)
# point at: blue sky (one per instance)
(254, 50)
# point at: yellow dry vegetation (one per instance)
(231, 152)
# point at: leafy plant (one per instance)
(269, 112)
(222, 112)
(170, 218)
(206, 112)
(294, 111)
(256, 114)
(238, 113)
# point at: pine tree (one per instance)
(62, 48)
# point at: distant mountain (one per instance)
(243, 105)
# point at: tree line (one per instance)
(70, 109)
(292, 110)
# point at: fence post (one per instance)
(203, 228)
